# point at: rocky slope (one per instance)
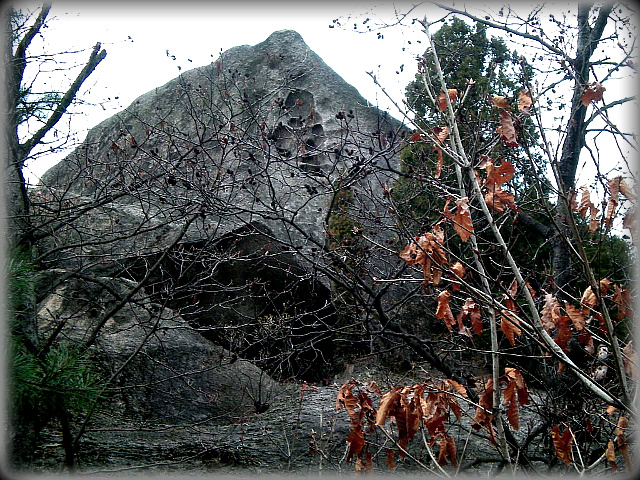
(188, 235)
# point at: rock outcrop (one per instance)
(189, 240)
(219, 188)
(163, 370)
(265, 132)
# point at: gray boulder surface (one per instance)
(261, 147)
(202, 210)
(265, 132)
(163, 370)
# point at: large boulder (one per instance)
(154, 365)
(217, 212)
(265, 132)
(227, 192)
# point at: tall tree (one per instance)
(42, 111)
(576, 63)
(23, 105)
(546, 306)
(477, 68)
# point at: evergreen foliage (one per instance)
(465, 54)
(19, 271)
(62, 373)
(478, 67)
(48, 381)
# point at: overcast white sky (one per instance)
(196, 33)
(138, 34)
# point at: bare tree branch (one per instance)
(97, 55)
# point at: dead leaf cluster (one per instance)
(496, 198)
(461, 219)
(564, 321)
(427, 250)
(593, 93)
(507, 129)
(410, 407)
(514, 395)
(442, 98)
(470, 310)
(616, 186)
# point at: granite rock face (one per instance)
(205, 208)
(265, 132)
(219, 188)
(163, 371)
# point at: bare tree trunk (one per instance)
(588, 38)
(19, 226)
(17, 203)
